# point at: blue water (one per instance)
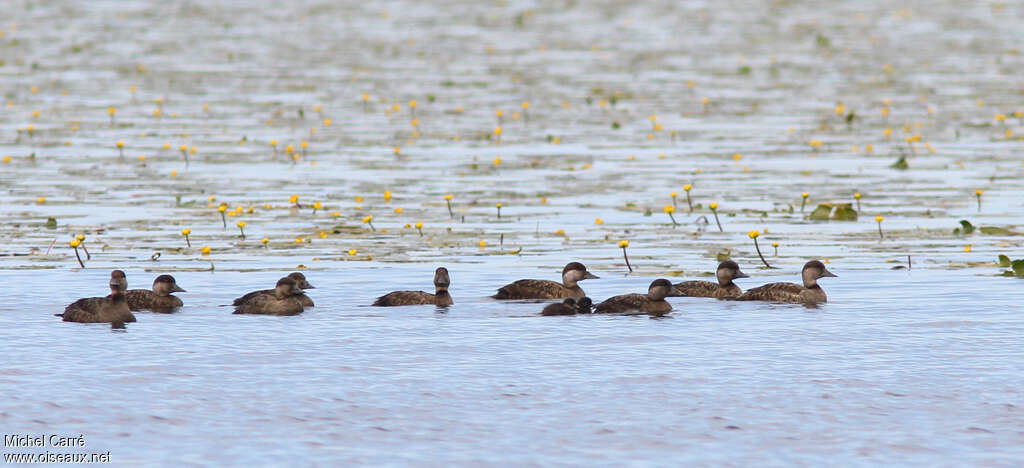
(899, 368)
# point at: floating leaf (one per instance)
(1018, 267)
(51, 223)
(967, 227)
(995, 231)
(844, 212)
(822, 212)
(901, 164)
(1004, 261)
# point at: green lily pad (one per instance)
(995, 231)
(1004, 261)
(901, 164)
(1018, 267)
(51, 223)
(822, 212)
(966, 229)
(844, 212)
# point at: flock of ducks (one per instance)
(287, 296)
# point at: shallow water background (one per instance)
(918, 367)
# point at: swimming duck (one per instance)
(111, 309)
(439, 298)
(544, 289)
(727, 271)
(809, 293)
(652, 303)
(157, 300)
(569, 306)
(281, 301)
(300, 281)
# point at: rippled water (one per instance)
(911, 367)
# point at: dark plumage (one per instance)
(652, 303)
(569, 306)
(544, 289)
(111, 309)
(727, 271)
(157, 300)
(281, 302)
(439, 298)
(300, 281)
(809, 293)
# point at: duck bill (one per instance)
(177, 289)
(590, 275)
(306, 285)
(740, 274)
(828, 274)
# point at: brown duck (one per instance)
(651, 303)
(544, 289)
(439, 298)
(112, 309)
(569, 306)
(727, 271)
(281, 301)
(809, 293)
(157, 300)
(299, 279)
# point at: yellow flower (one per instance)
(737, 157)
(80, 237)
(978, 192)
(526, 104)
(265, 240)
(598, 221)
(673, 194)
(293, 199)
(805, 195)
(299, 240)
(856, 195)
(448, 197)
(183, 147)
(186, 231)
(352, 251)
(482, 243)
(412, 103)
(670, 209)
(368, 218)
(205, 250)
(387, 195)
(1001, 117)
(222, 208)
(327, 122)
(304, 144)
(359, 199)
(7, 159)
(120, 144)
(397, 150)
(398, 210)
(498, 204)
(419, 225)
(623, 244)
(241, 224)
(967, 248)
(111, 110)
(713, 206)
(497, 131)
(754, 234)
(322, 234)
(687, 187)
(41, 200)
(75, 243)
(775, 244)
(289, 149)
(317, 205)
(879, 218)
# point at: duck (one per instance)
(112, 309)
(651, 303)
(157, 300)
(569, 306)
(727, 271)
(544, 289)
(281, 301)
(439, 298)
(809, 293)
(300, 281)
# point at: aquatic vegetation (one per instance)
(669, 209)
(185, 232)
(623, 244)
(689, 201)
(241, 229)
(754, 235)
(1016, 267)
(714, 210)
(834, 212)
(74, 245)
(879, 219)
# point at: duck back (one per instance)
(784, 292)
(110, 309)
(268, 304)
(632, 303)
(705, 289)
(143, 299)
(404, 298)
(538, 289)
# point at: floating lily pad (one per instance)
(1004, 261)
(822, 212)
(51, 223)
